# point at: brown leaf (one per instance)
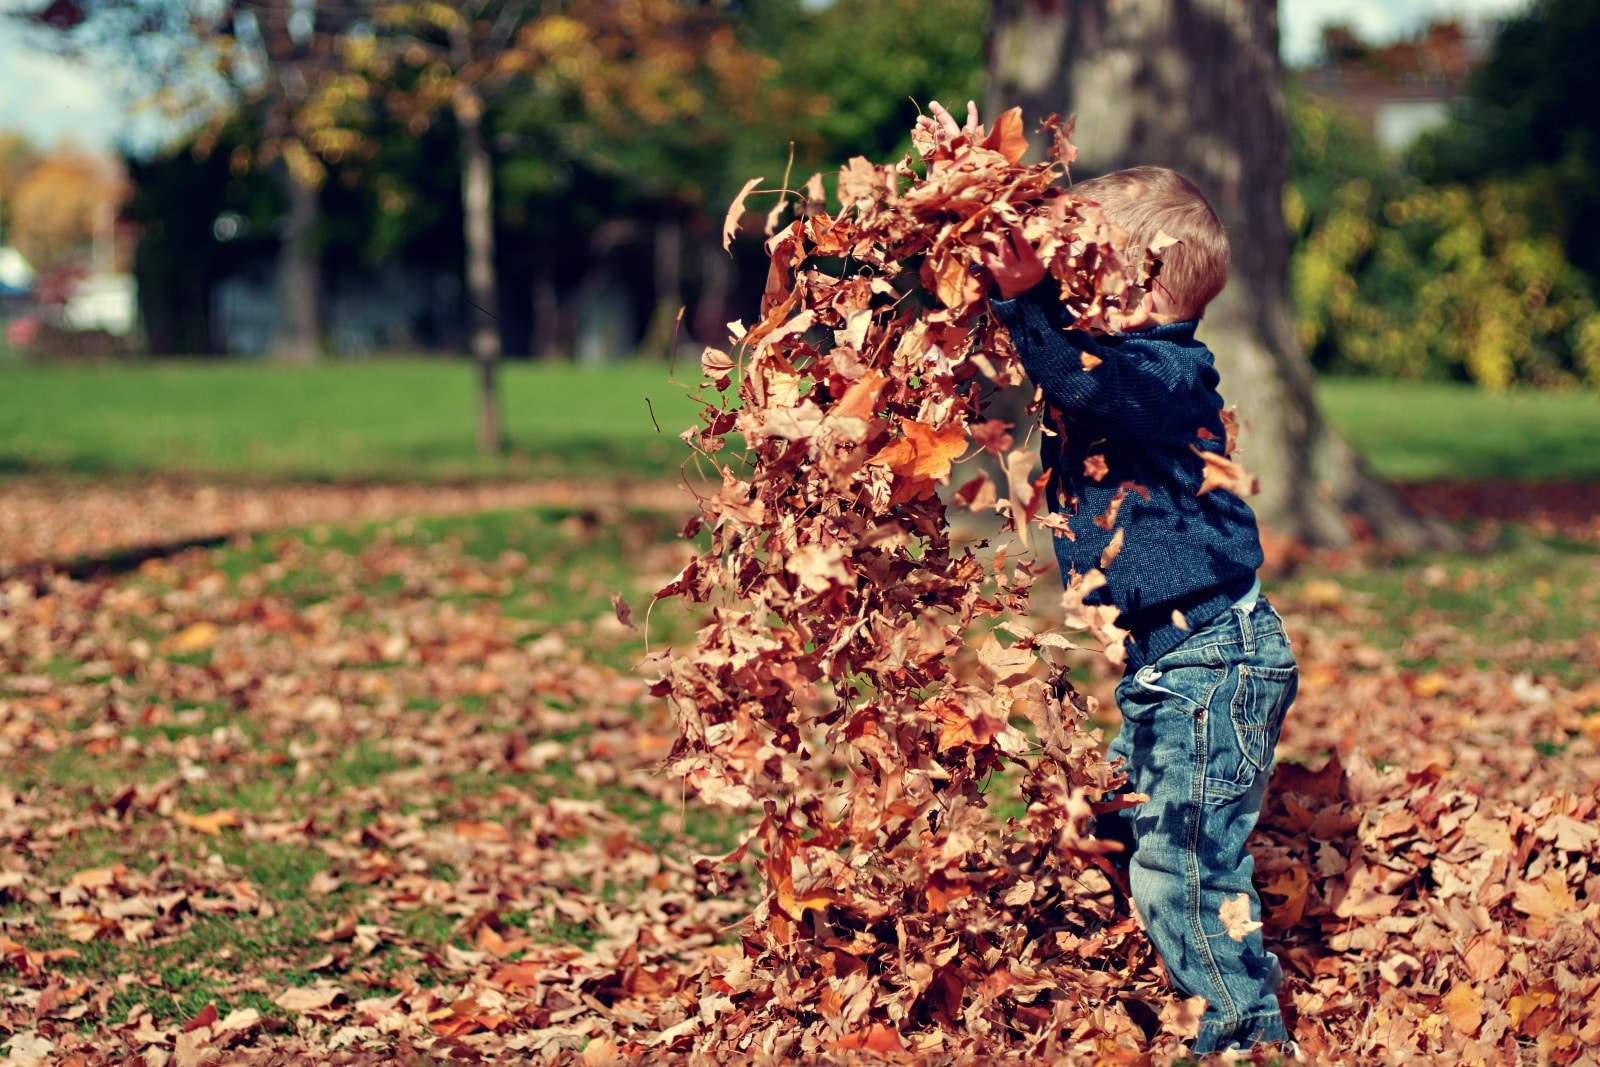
(1220, 472)
(730, 222)
(308, 998)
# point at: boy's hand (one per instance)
(942, 128)
(1014, 264)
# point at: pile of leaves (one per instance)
(858, 680)
(47, 522)
(1421, 919)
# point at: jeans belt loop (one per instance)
(1247, 632)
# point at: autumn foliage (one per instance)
(851, 687)
(859, 683)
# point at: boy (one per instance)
(1210, 673)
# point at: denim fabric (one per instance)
(1199, 726)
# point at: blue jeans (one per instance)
(1199, 726)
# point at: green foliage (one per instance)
(876, 61)
(1530, 113)
(1395, 276)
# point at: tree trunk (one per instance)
(547, 332)
(477, 203)
(662, 332)
(711, 311)
(1195, 85)
(299, 331)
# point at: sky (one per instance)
(55, 101)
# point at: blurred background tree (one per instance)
(1470, 254)
(263, 56)
(513, 178)
(1196, 85)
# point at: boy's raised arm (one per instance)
(1138, 400)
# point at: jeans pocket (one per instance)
(1257, 713)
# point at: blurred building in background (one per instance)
(1400, 90)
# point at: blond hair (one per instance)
(1146, 202)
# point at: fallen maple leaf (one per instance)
(1236, 920)
(211, 823)
(874, 1038)
(925, 453)
(1463, 1005)
(308, 998)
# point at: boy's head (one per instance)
(1148, 201)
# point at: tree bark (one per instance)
(662, 331)
(547, 326)
(299, 334)
(1196, 85)
(477, 203)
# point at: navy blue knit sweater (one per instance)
(1152, 400)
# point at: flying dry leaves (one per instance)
(824, 697)
(848, 698)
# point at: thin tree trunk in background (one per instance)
(660, 333)
(711, 310)
(1196, 85)
(546, 340)
(477, 203)
(299, 324)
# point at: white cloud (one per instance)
(52, 100)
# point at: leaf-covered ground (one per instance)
(323, 793)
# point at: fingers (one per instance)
(972, 115)
(1020, 245)
(946, 121)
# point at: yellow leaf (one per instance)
(1544, 901)
(1429, 685)
(209, 823)
(196, 637)
(1463, 1005)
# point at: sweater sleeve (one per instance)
(1128, 393)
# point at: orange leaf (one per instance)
(925, 452)
(1463, 1005)
(524, 974)
(941, 891)
(210, 823)
(861, 399)
(1223, 473)
(874, 1038)
(1006, 136)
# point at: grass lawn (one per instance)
(1416, 431)
(406, 419)
(391, 419)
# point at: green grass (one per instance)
(1541, 591)
(1413, 431)
(389, 419)
(407, 419)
